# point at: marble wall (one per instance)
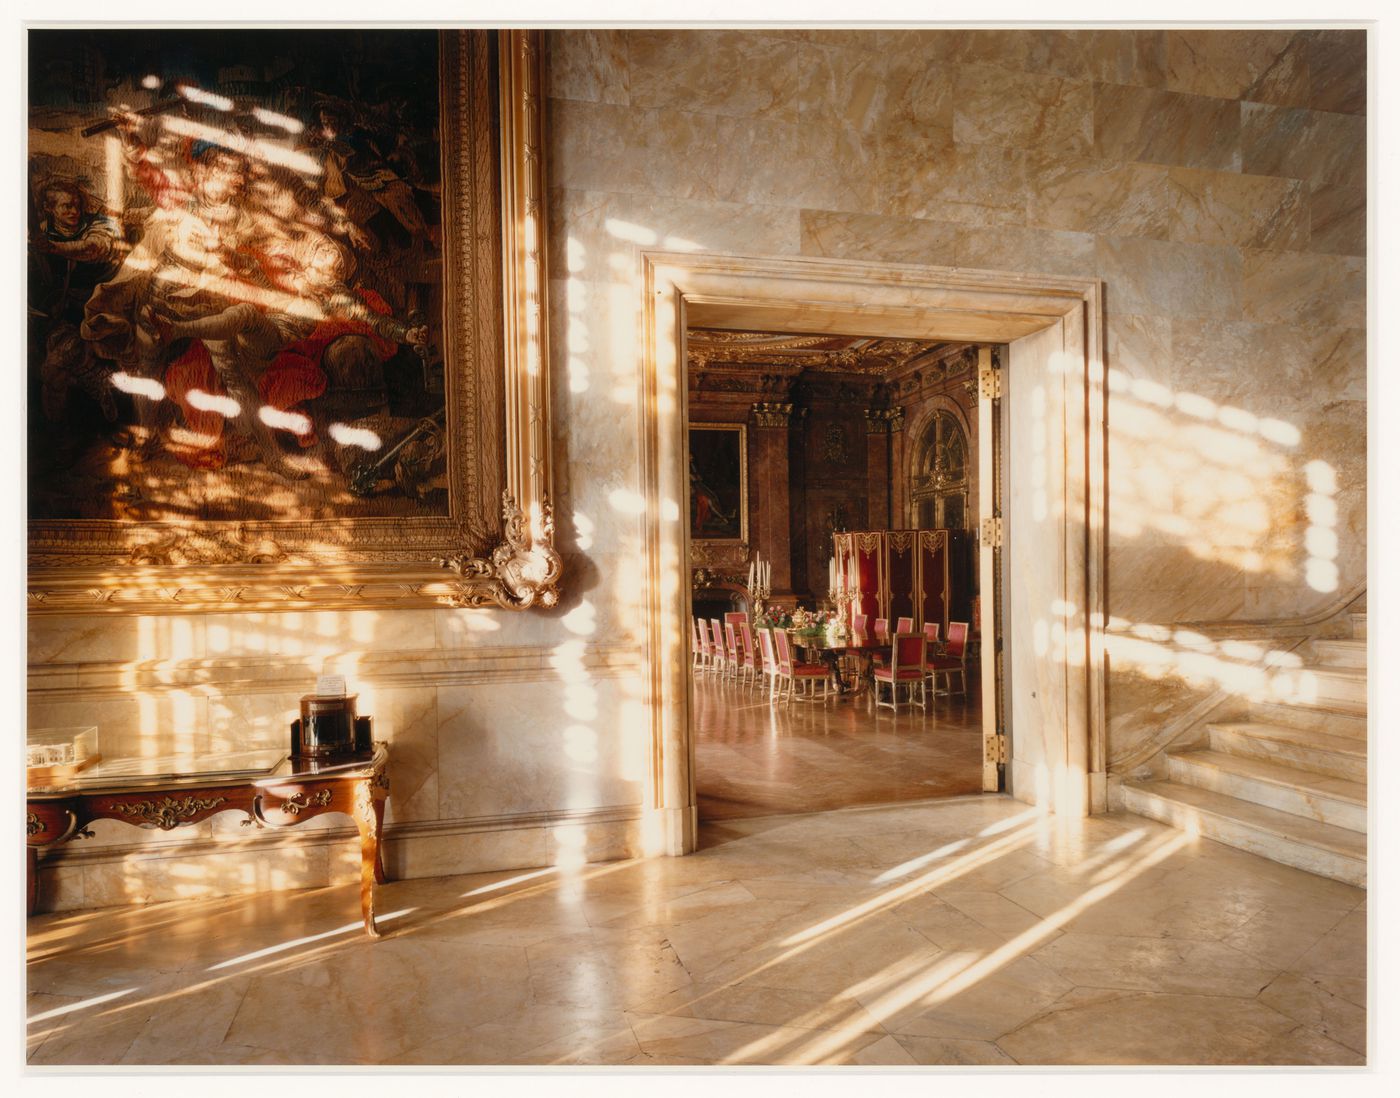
(1214, 179)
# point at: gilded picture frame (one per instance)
(719, 484)
(491, 541)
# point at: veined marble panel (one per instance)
(1337, 216)
(1099, 196)
(1252, 211)
(874, 238)
(1164, 127)
(1337, 68)
(916, 92)
(775, 163)
(1140, 346)
(516, 749)
(731, 72)
(1267, 66)
(928, 177)
(607, 147)
(1168, 278)
(1305, 288)
(1011, 248)
(995, 106)
(598, 235)
(1318, 146)
(588, 63)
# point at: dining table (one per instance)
(856, 650)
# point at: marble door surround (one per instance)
(1057, 489)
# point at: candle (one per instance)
(831, 574)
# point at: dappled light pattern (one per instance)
(974, 931)
(1217, 480)
(235, 276)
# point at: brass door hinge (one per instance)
(989, 382)
(996, 749)
(990, 532)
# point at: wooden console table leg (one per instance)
(368, 820)
(379, 875)
(33, 862)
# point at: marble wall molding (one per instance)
(132, 872)
(809, 295)
(274, 674)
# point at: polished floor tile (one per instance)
(754, 757)
(967, 931)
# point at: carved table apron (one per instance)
(269, 800)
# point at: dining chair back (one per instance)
(770, 658)
(906, 669)
(953, 661)
(904, 625)
(748, 658)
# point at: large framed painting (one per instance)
(286, 339)
(719, 483)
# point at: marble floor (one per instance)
(754, 758)
(963, 931)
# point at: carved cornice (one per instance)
(772, 414)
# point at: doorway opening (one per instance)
(834, 498)
(1054, 615)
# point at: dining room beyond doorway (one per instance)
(835, 625)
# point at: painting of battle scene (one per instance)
(235, 303)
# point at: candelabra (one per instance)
(760, 585)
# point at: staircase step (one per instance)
(1310, 717)
(1358, 626)
(1335, 756)
(1340, 653)
(1342, 688)
(1279, 836)
(1319, 797)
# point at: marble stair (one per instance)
(1286, 781)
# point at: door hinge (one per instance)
(996, 749)
(990, 532)
(989, 382)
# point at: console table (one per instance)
(271, 788)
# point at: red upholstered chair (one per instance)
(953, 661)
(930, 647)
(794, 672)
(736, 617)
(717, 657)
(882, 636)
(699, 646)
(748, 657)
(770, 659)
(731, 651)
(906, 669)
(904, 625)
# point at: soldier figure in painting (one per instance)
(73, 251)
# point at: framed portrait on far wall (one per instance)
(719, 482)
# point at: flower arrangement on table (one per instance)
(773, 618)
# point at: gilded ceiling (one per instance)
(874, 357)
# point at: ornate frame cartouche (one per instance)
(496, 547)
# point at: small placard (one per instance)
(330, 686)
